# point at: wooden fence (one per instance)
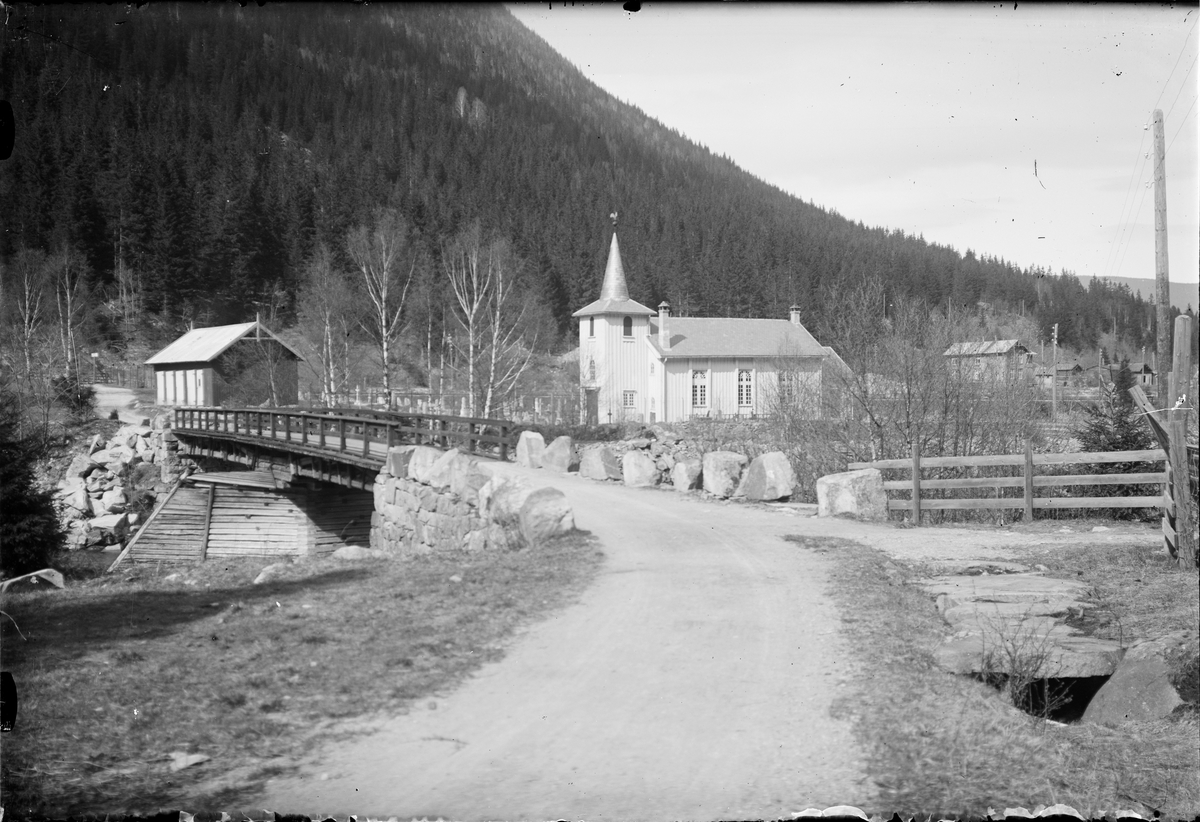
(1028, 480)
(360, 435)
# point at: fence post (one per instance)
(916, 483)
(471, 437)
(366, 440)
(504, 433)
(442, 433)
(1028, 480)
(342, 434)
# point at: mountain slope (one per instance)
(211, 149)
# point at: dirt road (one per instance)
(692, 680)
(111, 398)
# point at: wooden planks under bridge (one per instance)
(250, 514)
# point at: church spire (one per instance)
(614, 287)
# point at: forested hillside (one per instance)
(193, 159)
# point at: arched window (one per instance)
(627, 327)
(591, 326)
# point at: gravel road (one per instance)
(692, 680)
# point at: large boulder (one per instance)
(544, 514)
(1140, 689)
(530, 448)
(559, 455)
(115, 524)
(721, 472)
(440, 475)
(502, 498)
(421, 462)
(769, 477)
(467, 476)
(80, 467)
(398, 458)
(685, 475)
(114, 499)
(600, 464)
(857, 494)
(638, 470)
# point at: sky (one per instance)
(1021, 131)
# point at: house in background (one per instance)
(1143, 374)
(997, 359)
(242, 364)
(636, 364)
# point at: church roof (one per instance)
(733, 337)
(614, 293)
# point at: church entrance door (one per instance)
(593, 406)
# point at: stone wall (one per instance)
(430, 500)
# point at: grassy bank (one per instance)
(938, 743)
(117, 673)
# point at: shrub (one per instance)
(29, 529)
(77, 398)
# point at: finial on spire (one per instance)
(613, 217)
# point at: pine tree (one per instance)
(1113, 424)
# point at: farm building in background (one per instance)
(243, 364)
(997, 359)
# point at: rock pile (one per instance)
(100, 487)
(658, 456)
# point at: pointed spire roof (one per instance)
(614, 294)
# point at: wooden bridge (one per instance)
(345, 446)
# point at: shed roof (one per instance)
(206, 344)
(983, 348)
(733, 337)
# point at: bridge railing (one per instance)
(350, 432)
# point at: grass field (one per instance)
(117, 673)
(943, 744)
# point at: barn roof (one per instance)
(206, 344)
(732, 337)
(983, 349)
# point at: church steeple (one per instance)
(614, 287)
(614, 292)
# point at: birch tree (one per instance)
(491, 313)
(383, 255)
(25, 284)
(329, 316)
(69, 270)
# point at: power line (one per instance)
(1177, 59)
(1121, 264)
(1182, 86)
(1134, 173)
(1182, 121)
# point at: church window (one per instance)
(745, 387)
(627, 399)
(591, 326)
(627, 327)
(699, 388)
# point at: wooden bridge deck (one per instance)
(360, 439)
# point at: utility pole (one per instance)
(1161, 276)
(1054, 375)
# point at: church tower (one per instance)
(612, 349)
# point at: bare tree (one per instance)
(25, 284)
(329, 315)
(69, 270)
(491, 312)
(383, 255)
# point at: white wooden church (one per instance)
(642, 366)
